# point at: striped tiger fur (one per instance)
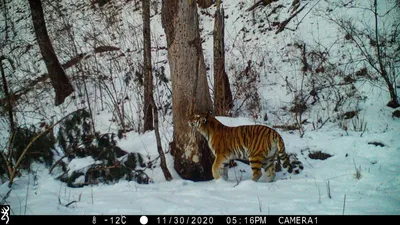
(261, 145)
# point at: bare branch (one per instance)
(282, 25)
(70, 63)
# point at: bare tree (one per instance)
(382, 70)
(150, 108)
(190, 92)
(58, 78)
(222, 91)
(148, 77)
(163, 161)
(8, 103)
(376, 44)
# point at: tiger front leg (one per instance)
(219, 168)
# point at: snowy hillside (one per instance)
(351, 165)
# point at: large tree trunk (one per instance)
(148, 77)
(58, 78)
(222, 91)
(190, 92)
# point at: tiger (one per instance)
(262, 146)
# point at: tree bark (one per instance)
(222, 91)
(58, 78)
(190, 92)
(148, 77)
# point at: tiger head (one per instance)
(197, 120)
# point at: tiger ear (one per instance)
(203, 120)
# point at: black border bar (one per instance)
(201, 219)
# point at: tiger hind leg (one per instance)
(255, 164)
(269, 168)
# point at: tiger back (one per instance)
(259, 144)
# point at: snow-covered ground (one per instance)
(321, 188)
(359, 178)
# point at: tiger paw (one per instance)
(216, 175)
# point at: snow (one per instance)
(318, 190)
(80, 163)
(321, 188)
